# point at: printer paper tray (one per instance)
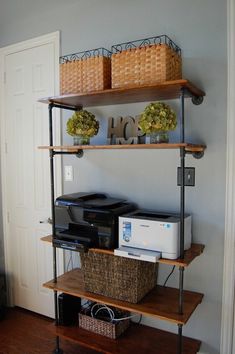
(69, 235)
(138, 253)
(69, 245)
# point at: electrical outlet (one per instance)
(189, 176)
(68, 173)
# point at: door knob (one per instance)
(47, 221)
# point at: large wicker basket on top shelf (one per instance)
(118, 277)
(85, 71)
(145, 62)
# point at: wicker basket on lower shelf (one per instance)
(105, 328)
(118, 277)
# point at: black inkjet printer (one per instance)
(85, 220)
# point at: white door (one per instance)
(30, 74)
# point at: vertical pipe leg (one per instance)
(182, 213)
(182, 96)
(182, 201)
(57, 350)
(181, 308)
(180, 339)
(181, 290)
(182, 165)
(50, 107)
(56, 308)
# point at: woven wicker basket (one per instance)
(85, 74)
(146, 65)
(104, 328)
(118, 277)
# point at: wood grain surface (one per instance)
(194, 251)
(163, 91)
(137, 339)
(24, 332)
(161, 302)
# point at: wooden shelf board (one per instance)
(137, 339)
(195, 250)
(163, 91)
(161, 302)
(188, 147)
(46, 238)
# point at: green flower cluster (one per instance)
(157, 117)
(82, 123)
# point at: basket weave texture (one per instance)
(118, 277)
(85, 75)
(146, 65)
(104, 328)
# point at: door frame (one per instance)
(228, 300)
(51, 38)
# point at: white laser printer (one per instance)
(149, 235)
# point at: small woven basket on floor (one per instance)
(85, 71)
(146, 62)
(118, 277)
(104, 328)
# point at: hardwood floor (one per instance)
(23, 332)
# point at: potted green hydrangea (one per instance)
(82, 125)
(157, 120)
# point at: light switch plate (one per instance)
(68, 173)
(189, 176)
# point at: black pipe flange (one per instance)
(198, 154)
(197, 100)
(80, 153)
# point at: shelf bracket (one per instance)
(79, 153)
(197, 100)
(196, 154)
(64, 106)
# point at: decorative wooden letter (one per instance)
(114, 131)
(125, 131)
(128, 131)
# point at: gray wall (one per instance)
(149, 177)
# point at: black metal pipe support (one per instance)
(181, 290)
(63, 106)
(66, 152)
(58, 350)
(182, 97)
(182, 182)
(182, 213)
(180, 339)
(182, 200)
(50, 107)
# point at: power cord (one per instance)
(70, 261)
(110, 312)
(167, 278)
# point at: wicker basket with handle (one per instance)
(118, 277)
(85, 71)
(105, 328)
(145, 62)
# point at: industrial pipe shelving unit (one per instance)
(180, 89)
